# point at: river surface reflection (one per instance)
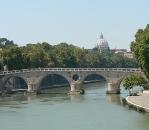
(58, 111)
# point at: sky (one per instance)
(77, 22)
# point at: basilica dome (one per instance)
(102, 44)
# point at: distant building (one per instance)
(119, 51)
(102, 44)
(129, 55)
(123, 52)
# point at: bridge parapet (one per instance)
(71, 70)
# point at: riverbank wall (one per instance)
(140, 103)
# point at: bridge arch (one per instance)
(97, 76)
(93, 77)
(127, 74)
(52, 80)
(11, 83)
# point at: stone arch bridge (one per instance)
(33, 77)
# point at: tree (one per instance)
(140, 48)
(36, 55)
(61, 55)
(131, 81)
(80, 56)
(5, 42)
(65, 55)
(13, 58)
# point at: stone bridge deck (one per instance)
(34, 76)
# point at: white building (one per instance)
(102, 44)
(129, 55)
(123, 52)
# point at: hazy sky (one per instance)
(77, 22)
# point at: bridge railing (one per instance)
(70, 70)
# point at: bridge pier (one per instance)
(31, 88)
(113, 88)
(32, 85)
(75, 88)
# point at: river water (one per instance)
(93, 111)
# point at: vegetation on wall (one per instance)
(131, 81)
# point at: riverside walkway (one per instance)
(141, 101)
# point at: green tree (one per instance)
(80, 56)
(140, 48)
(13, 58)
(61, 55)
(5, 42)
(65, 55)
(36, 55)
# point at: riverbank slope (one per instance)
(139, 102)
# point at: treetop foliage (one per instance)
(5, 42)
(140, 48)
(61, 55)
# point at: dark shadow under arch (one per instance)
(15, 83)
(53, 81)
(91, 78)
